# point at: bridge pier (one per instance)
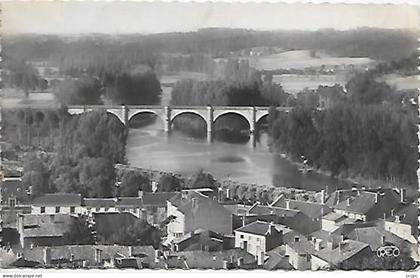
(209, 124)
(167, 124)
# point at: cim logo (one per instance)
(388, 251)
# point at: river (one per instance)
(149, 148)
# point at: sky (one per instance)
(145, 17)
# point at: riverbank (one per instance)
(245, 193)
(353, 181)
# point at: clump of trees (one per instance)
(87, 147)
(86, 90)
(132, 182)
(369, 133)
(138, 233)
(79, 232)
(238, 91)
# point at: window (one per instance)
(71, 209)
(57, 209)
(242, 236)
(12, 202)
(42, 209)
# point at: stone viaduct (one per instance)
(209, 114)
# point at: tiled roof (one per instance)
(347, 249)
(87, 252)
(373, 236)
(332, 216)
(45, 225)
(157, 199)
(58, 199)
(362, 202)
(257, 228)
(283, 212)
(129, 202)
(407, 214)
(302, 247)
(99, 202)
(310, 209)
(214, 260)
(185, 205)
(277, 259)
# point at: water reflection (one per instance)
(149, 148)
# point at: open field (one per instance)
(300, 59)
(13, 97)
(294, 83)
(172, 78)
(402, 82)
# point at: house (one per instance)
(69, 203)
(91, 205)
(277, 259)
(89, 256)
(404, 222)
(365, 205)
(313, 210)
(155, 206)
(13, 192)
(204, 240)
(332, 221)
(259, 237)
(291, 218)
(43, 229)
(134, 205)
(334, 254)
(192, 211)
(376, 236)
(299, 252)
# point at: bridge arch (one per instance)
(194, 112)
(116, 114)
(248, 118)
(260, 116)
(145, 111)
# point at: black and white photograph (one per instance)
(213, 136)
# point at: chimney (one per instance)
(243, 221)
(323, 196)
(392, 212)
(287, 204)
(376, 198)
(228, 193)
(98, 256)
(47, 255)
(143, 214)
(157, 256)
(402, 195)
(130, 251)
(260, 258)
(271, 228)
(317, 244)
(225, 264)
(338, 196)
